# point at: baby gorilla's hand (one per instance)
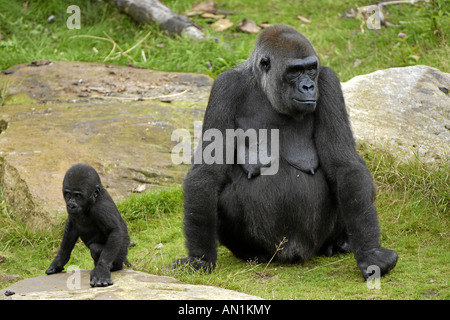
(54, 269)
(101, 277)
(56, 266)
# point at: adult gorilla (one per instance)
(321, 197)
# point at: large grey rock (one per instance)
(402, 109)
(128, 285)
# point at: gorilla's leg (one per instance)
(241, 246)
(233, 233)
(121, 258)
(100, 275)
(96, 250)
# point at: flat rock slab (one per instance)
(117, 119)
(128, 285)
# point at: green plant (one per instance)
(4, 93)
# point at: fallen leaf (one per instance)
(208, 15)
(222, 25)
(248, 26)
(265, 24)
(414, 57)
(202, 7)
(158, 246)
(303, 19)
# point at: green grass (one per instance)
(413, 206)
(4, 93)
(413, 198)
(27, 36)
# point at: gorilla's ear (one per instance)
(96, 192)
(265, 63)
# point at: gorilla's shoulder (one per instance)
(329, 84)
(327, 74)
(232, 83)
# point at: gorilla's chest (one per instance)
(88, 230)
(277, 139)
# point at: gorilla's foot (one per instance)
(382, 258)
(193, 263)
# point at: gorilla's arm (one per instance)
(204, 182)
(69, 239)
(348, 176)
(107, 218)
(345, 169)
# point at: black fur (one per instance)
(321, 198)
(92, 216)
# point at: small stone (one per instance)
(9, 293)
(444, 89)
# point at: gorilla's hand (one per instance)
(383, 258)
(193, 263)
(100, 277)
(55, 267)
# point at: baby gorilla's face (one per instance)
(80, 188)
(76, 201)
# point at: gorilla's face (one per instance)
(76, 201)
(301, 76)
(291, 86)
(287, 68)
(81, 187)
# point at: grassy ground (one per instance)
(413, 200)
(413, 205)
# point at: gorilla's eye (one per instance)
(265, 64)
(311, 72)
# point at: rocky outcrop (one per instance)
(407, 110)
(117, 119)
(128, 285)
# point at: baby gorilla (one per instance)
(92, 216)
